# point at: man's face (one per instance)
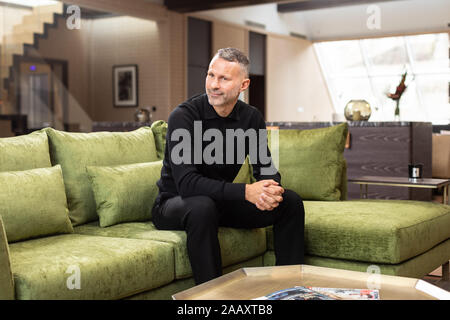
(224, 82)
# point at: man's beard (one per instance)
(222, 99)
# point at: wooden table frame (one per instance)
(364, 182)
(251, 283)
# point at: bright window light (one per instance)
(369, 68)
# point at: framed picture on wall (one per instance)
(125, 85)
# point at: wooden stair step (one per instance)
(12, 48)
(56, 8)
(16, 38)
(7, 60)
(45, 17)
(35, 27)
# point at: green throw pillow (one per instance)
(311, 162)
(75, 151)
(245, 174)
(33, 203)
(25, 152)
(159, 129)
(125, 193)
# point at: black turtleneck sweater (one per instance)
(195, 177)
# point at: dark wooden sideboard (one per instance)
(18, 123)
(118, 126)
(382, 149)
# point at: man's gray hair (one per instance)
(235, 55)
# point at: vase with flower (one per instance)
(397, 95)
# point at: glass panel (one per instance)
(346, 89)
(435, 95)
(387, 56)
(425, 57)
(342, 58)
(430, 52)
(410, 106)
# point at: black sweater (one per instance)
(196, 174)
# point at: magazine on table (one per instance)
(318, 293)
(345, 293)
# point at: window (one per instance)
(370, 68)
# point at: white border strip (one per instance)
(432, 290)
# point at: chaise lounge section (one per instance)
(394, 237)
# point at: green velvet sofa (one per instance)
(75, 218)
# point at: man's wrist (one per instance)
(234, 191)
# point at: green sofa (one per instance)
(75, 218)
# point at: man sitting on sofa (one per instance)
(196, 193)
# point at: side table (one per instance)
(364, 182)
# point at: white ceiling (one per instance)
(394, 17)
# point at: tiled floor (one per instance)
(435, 278)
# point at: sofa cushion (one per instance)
(311, 161)
(245, 173)
(379, 231)
(107, 268)
(159, 129)
(24, 152)
(75, 151)
(237, 245)
(416, 267)
(125, 193)
(33, 203)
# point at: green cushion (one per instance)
(159, 129)
(125, 193)
(416, 267)
(245, 174)
(75, 151)
(109, 268)
(166, 292)
(237, 245)
(379, 231)
(311, 161)
(33, 203)
(24, 152)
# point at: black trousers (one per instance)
(200, 217)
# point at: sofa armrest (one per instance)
(6, 277)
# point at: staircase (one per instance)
(14, 43)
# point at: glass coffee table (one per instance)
(364, 181)
(253, 283)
